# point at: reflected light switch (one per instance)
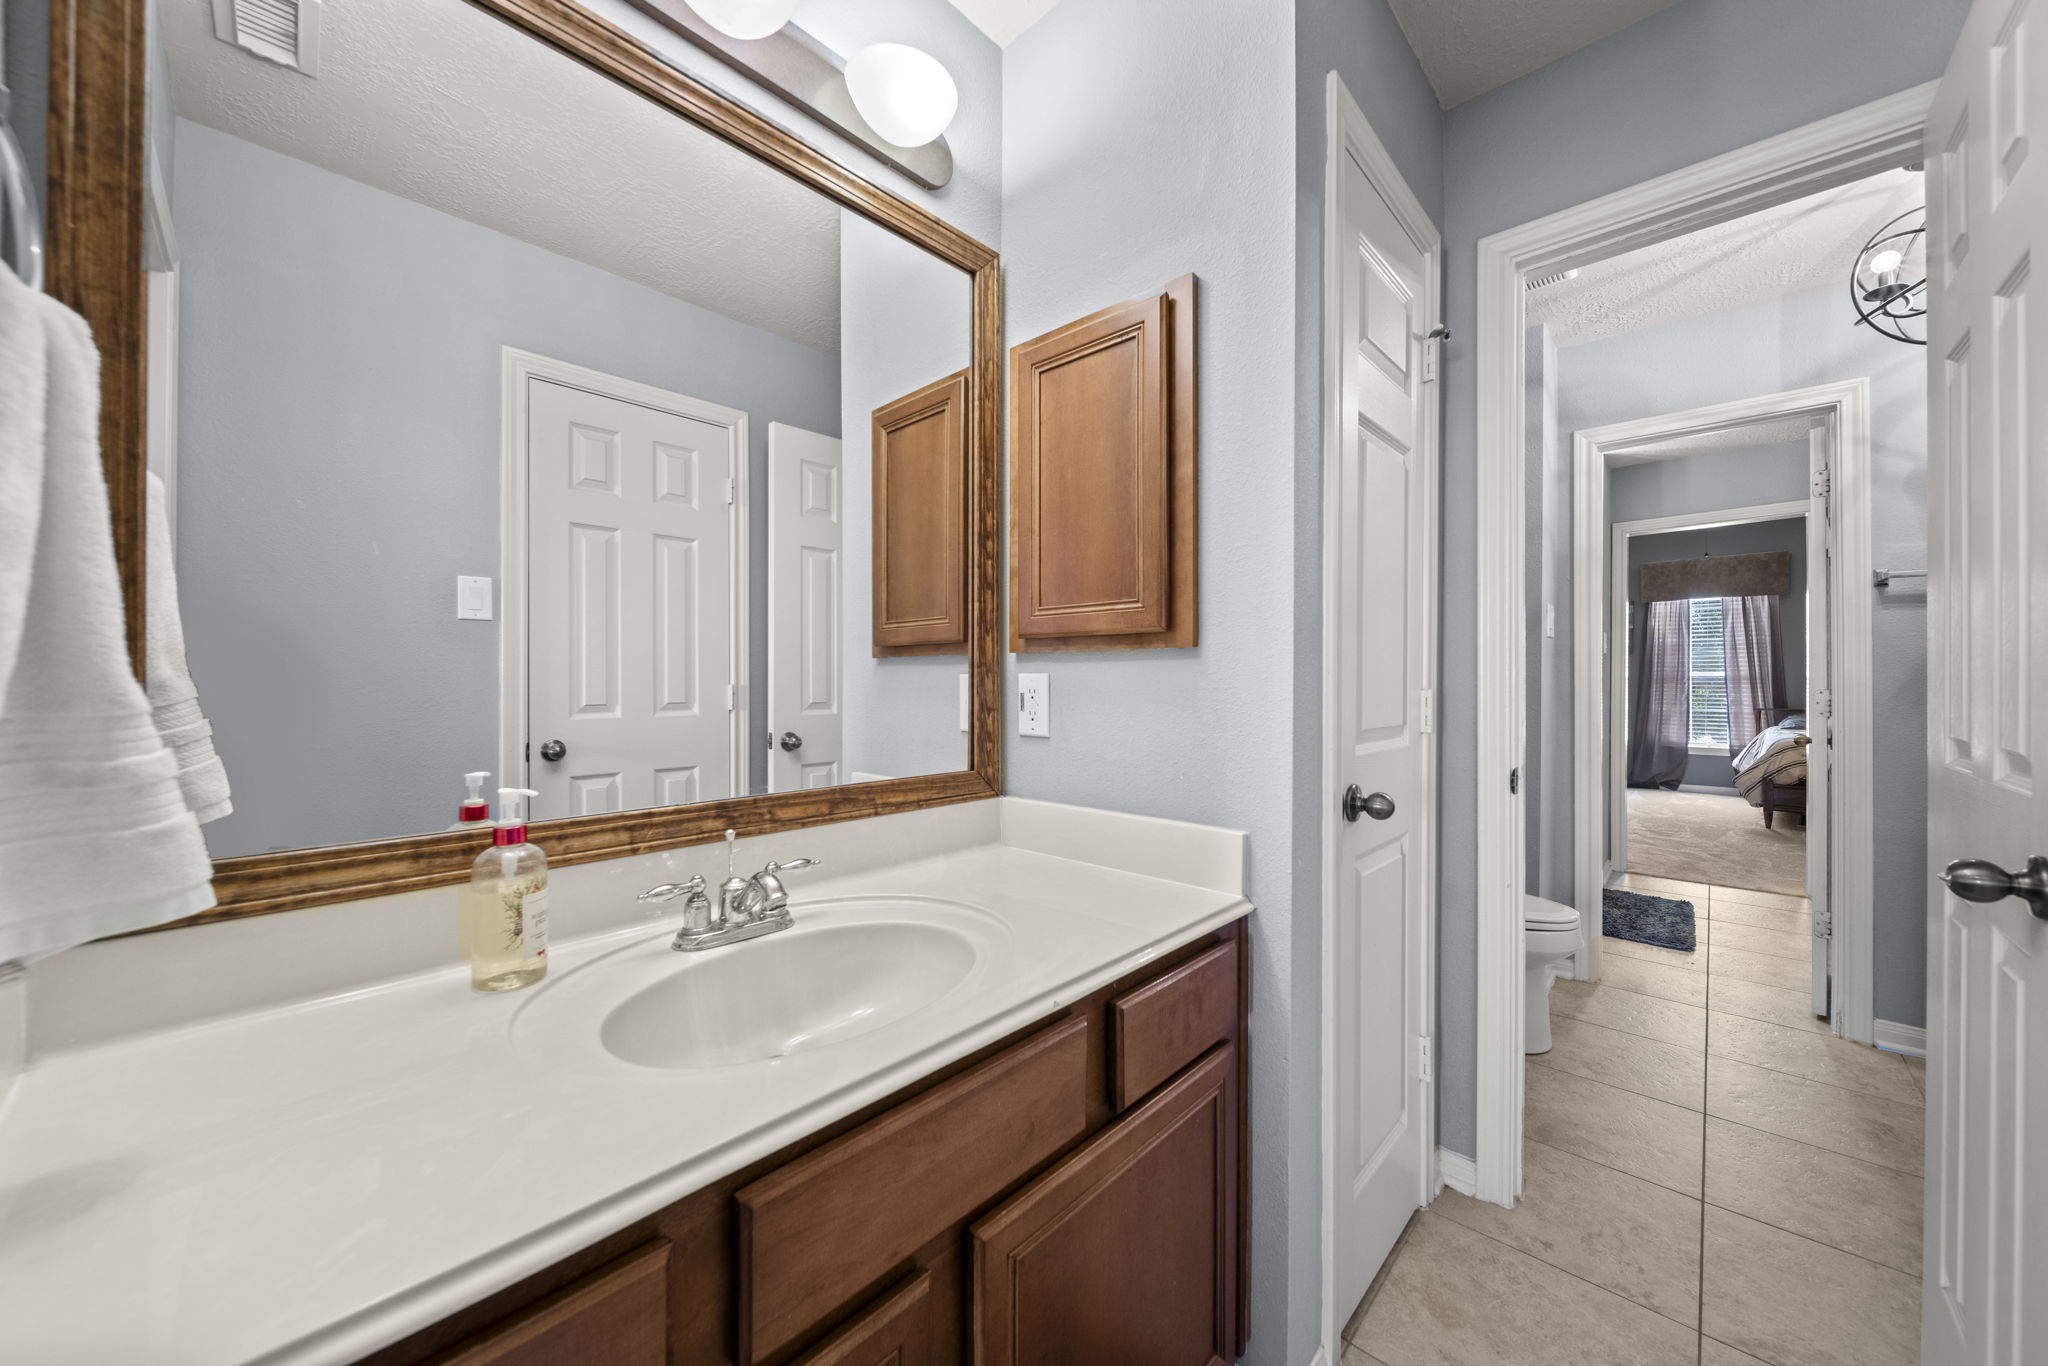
(472, 598)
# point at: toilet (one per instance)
(1550, 934)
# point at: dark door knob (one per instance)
(1980, 880)
(1379, 805)
(554, 751)
(791, 741)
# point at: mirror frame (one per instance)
(96, 135)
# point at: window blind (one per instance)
(1709, 670)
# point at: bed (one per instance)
(1770, 772)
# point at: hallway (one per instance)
(1710, 1177)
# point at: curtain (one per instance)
(1754, 661)
(1660, 714)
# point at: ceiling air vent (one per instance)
(283, 31)
(1556, 277)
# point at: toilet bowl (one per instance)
(1550, 934)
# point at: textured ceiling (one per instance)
(438, 102)
(1003, 20)
(1798, 248)
(1468, 47)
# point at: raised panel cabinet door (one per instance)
(919, 455)
(616, 1316)
(895, 1332)
(1126, 1252)
(1091, 431)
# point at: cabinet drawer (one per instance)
(896, 1332)
(829, 1225)
(616, 1316)
(1166, 1024)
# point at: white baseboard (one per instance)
(1321, 1358)
(1703, 790)
(1899, 1038)
(1457, 1171)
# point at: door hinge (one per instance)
(1823, 482)
(1823, 922)
(1514, 780)
(1432, 347)
(1424, 1067)
(732, 697)
(1824, 703)
(732, 490)
(1426, 723)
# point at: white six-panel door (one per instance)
(1380, 641)
(1986, 1248)
(806, 563)
(632, 653)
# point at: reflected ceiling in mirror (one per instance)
(513, 424)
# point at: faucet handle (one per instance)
(669, 891)
(794, 865)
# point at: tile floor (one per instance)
(1711, 1178)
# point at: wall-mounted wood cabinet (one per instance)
(919, 454)
(1072, 1196)
(1102, 496)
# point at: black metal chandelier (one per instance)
(1888, 283)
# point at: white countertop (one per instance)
(309, 1181)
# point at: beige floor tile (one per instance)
(1722, 896)
(1858, 1207)
(1691, 960)
(1695, 892)
(1620, 1232)
(1652, 1139)
(1354, 1355)
(1763, 917)
(1794, 1009)
(1795, 1302)
(1916, 1068)
(1777, 943)
(1654, 979)
(1458, 1298)
(1660, 1070)
(1714, 1353)
(1848, 1122)
(1631, 1012)
(1789, 973)
(1817, 1057)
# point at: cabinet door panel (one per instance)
(616, 1316)
(896, 1332)
(1127, 1251)
(918, 448)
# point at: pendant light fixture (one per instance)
(1888, 283)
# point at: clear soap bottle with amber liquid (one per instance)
(505, 906)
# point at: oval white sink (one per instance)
(796, 990)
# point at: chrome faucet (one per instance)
(748, 907)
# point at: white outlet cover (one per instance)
(472, 598)
(1034, 704)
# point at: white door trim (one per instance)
(1600, 790)
(520, 367)
(1348, 133)
(1835, 151)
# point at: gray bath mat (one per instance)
(1658, 920)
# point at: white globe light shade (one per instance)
(903, 93)
(746, 18)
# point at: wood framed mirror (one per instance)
(339, 449)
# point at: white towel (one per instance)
(95, 836)
(176, 701)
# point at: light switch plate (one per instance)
(963, 704)
(472, 598)
(1034, 704)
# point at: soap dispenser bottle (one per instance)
(475, 812)
(505, 907)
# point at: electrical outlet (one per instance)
(1034, 704)
(963, 704)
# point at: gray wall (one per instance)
(1685, 84)
(1787, 534)
(339, 453)
(904, 319)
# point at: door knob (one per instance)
(791, 741)
(554, 751)
(1980, 880)
(1379, 805)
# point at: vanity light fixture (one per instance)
(903, 92)
(746, 18)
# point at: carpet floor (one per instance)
(1699, 837)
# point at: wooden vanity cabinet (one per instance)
(1073, 1195)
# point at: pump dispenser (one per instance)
(505, 907)
(475, 812)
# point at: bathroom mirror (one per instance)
(523, 408)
